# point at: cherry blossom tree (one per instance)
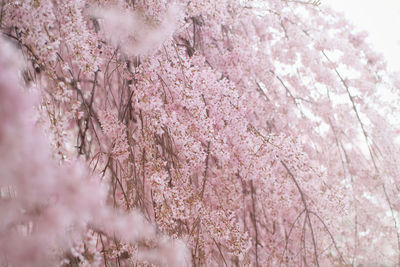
(203, 133)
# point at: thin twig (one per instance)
(306, 208)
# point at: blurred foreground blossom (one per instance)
(45, 206)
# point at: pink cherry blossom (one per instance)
(204, 133)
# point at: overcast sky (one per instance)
(381, 18)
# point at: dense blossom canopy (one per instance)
(203, 133)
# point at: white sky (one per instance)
(381, 19)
